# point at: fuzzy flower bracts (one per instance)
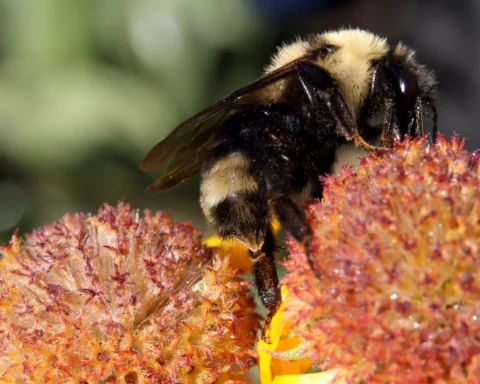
(397, 244)
(120, 298)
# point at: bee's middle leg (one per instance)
(264, 271)
(294, 221)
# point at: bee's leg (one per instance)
(417, 126)
(246, 218)
(317, 83)
(266, 279)
(390, 124)
(397, 84)
(294, 222)
(435, 122)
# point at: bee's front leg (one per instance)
(319, 87)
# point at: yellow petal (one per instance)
(327, 377)
(273, 334)
(239, 256)
(271, 366)
(282, 365)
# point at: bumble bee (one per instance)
(261, 150)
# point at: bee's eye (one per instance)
(325, 50)
(407, 82)
(404, 82)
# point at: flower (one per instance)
(397, 245)
(119, 298)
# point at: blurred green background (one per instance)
(87, 87)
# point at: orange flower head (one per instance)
(120, 298)
(397, 245)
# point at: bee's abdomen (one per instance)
(257, 155)
(231, 200)
(226, 177)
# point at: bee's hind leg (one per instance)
(266, 279)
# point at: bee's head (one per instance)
(385, 88)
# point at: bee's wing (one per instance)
(181, 150)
